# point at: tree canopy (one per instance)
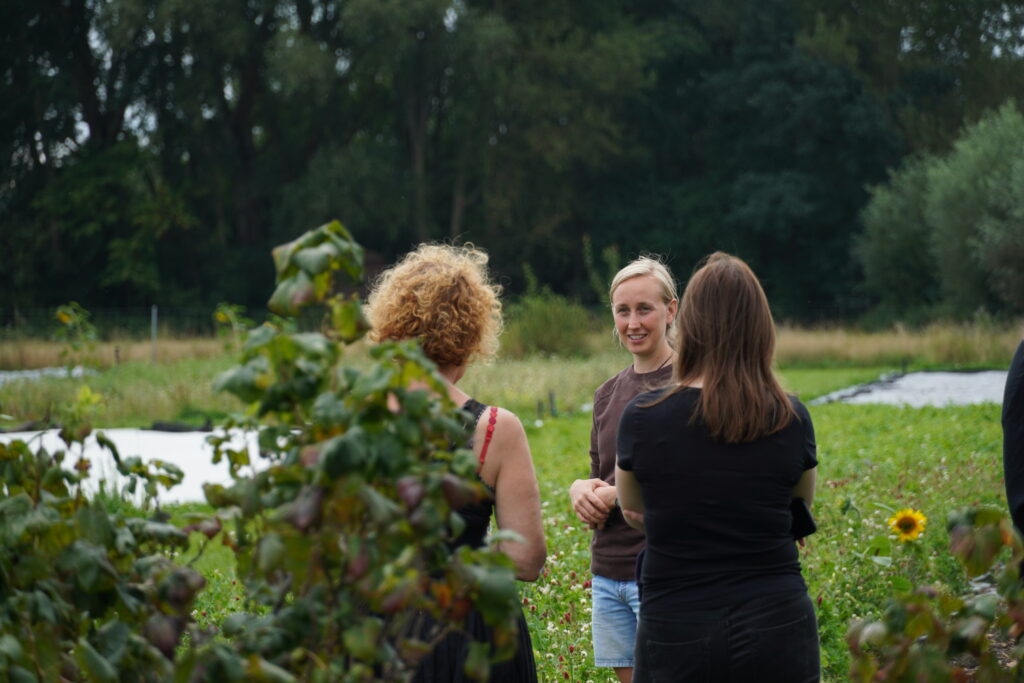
(157, 148)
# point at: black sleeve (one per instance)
(1013, 437)
(809, 448)
(627, 435)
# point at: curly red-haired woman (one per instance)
(443, 296)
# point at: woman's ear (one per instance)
(673, 308)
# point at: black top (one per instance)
(1013, 437)
(716, 515)
(446, 662)
(476, 515)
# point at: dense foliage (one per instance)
(340, 517)
(926, 635)
(947, 233)
(162, 146)
(86, 594)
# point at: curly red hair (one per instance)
(443, 296)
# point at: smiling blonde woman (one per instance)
(643, 299)
(708, 467)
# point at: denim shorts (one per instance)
(613, 621)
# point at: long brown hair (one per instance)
(726, 338)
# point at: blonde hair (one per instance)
(647, 265)
(443, 296)
(654, 267)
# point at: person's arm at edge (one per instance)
(591, 507)
(517, 495)
(805, 486)
(1013, 437)
(630, 499)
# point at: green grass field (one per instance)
(873, 460)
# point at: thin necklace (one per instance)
(663, 364)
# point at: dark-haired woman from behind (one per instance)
(708, 467)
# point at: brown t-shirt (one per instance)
(613, 549)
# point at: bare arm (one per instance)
(630, 498)
(591, 499)
(517, 496)
(805, 487)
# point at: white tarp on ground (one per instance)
(188, 450)
(39, 373)
(919, 389)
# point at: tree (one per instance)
(893, 250)
(947, 230)
(972, 207)
(934, 66)
(767, 154)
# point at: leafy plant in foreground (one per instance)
(342, 527)
(923, 633)
(86, 594)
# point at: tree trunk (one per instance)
(458, 205)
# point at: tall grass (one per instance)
(134, 394)
(178, 385)
(25, 354)
(939, 344)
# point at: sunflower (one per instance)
(908, 524)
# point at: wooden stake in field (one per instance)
(152, 330)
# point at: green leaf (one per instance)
(901, 584)
(104, 442)
(361, 639)
(259, 669)
(270, 552)
(343, 454)
(19, 675)
(10, 647)
(88, 564)
(348, 321)
(314, 344)
(329, 410)
(94, 664)
(495, 589)
(292, 294)
(376, 380)
(478, 662)
(381, 509)
(248, 382)
(315, 260)
(113, 639)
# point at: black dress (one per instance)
(445, 662)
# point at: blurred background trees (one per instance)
(858, 154)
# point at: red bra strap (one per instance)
(490, 432)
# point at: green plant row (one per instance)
(339, 523)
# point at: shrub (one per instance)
(546, 323)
